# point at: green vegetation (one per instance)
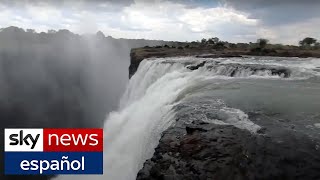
(309, 47)
(308, 42)
(261, 45)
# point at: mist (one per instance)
(61, 79)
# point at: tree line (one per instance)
(306, 43)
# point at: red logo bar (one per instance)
(72, 140)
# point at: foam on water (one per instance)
(301, 68)
(239, 119)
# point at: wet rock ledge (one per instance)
(201, 151)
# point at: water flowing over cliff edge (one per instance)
(216, 118)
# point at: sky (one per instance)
(280, 21)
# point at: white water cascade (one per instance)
(132, 133)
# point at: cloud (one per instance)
(57, 3)
(275, 12)
(174, 21)
(291, 33)
(207, 20)
(232, 20)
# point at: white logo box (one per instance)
(24, 147)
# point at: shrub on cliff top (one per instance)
(308, 41)
(262, 43)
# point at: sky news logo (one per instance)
(53, 151)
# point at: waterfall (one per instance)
(146, 110)
(132, 133)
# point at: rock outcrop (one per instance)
(201, 151)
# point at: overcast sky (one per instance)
(281, 21)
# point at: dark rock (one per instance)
(191, 130)
(275, 70)
(197, 66)
(209, 151)
(262, 130)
